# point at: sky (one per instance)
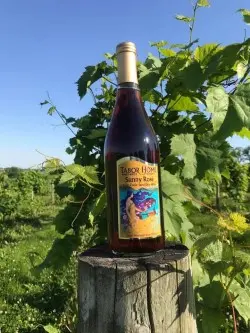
(45, 46)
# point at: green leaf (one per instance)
(182, 103)
(159, 44)
(213, 252)
(222, 64)
(97, 133)
(200, 276)
(204, 240)
(148, 79)
(44, 103)
(212, 320)
(175, 217)
(226, 174)
(152, 62)
(97, 207)
(51, 329)
(245, 14)
(244, 133)
(66, 177)
(152, 96)
(172, 187)
(91, 175)
(184, 18)
(243, 257)
(217, 103)
(211, 295)
(167, 52)
(204, 53)
(238, 115)
(88, 173)
(203, 3)
(60, 252)
(51, 110)
(190, 78)
(242, 302)
(241, 69)
(207, 158)
(183, 146)
(217, 268)
(91, 75)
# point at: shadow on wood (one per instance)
(150, 294)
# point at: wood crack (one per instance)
(115, 298)
(149, 300)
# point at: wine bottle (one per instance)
(135, 219)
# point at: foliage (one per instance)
(222, 269)
(196, 97)
(237, 182)
(28, 301)
(25, 194)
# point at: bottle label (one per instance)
(138, 199)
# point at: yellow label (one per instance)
(138, 199)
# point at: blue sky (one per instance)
(45, 46)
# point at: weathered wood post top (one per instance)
(141, 294)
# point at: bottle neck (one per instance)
(127, 71)
(129, 85)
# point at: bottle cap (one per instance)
(126, 57)
(126, 47)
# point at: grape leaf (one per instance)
(66, 177)
(238, 115)
(211, 294)
(184, 18)
(167, 52)
(183, 145)
(203, 3)
(152, 96)
(51, 110)
(98, 207)
(60, 252)
(204, 53)
(182, 103)
(190, 78)
(51, 329)
(97, 133)
(159, 44)
(148, 79)
(175, 217)
(91, 75)
(241, 69)
(204, 240)
(213, 252)
(207, 158)
(200, 276)
(88, 173)
(152, 62)
(244, 133)
(212, 319)
(245, 14)
(172, 186)
(217, 103)
(242, 301)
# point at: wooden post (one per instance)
(150, 294)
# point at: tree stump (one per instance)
(150, 294)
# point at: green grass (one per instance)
(29, 300)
